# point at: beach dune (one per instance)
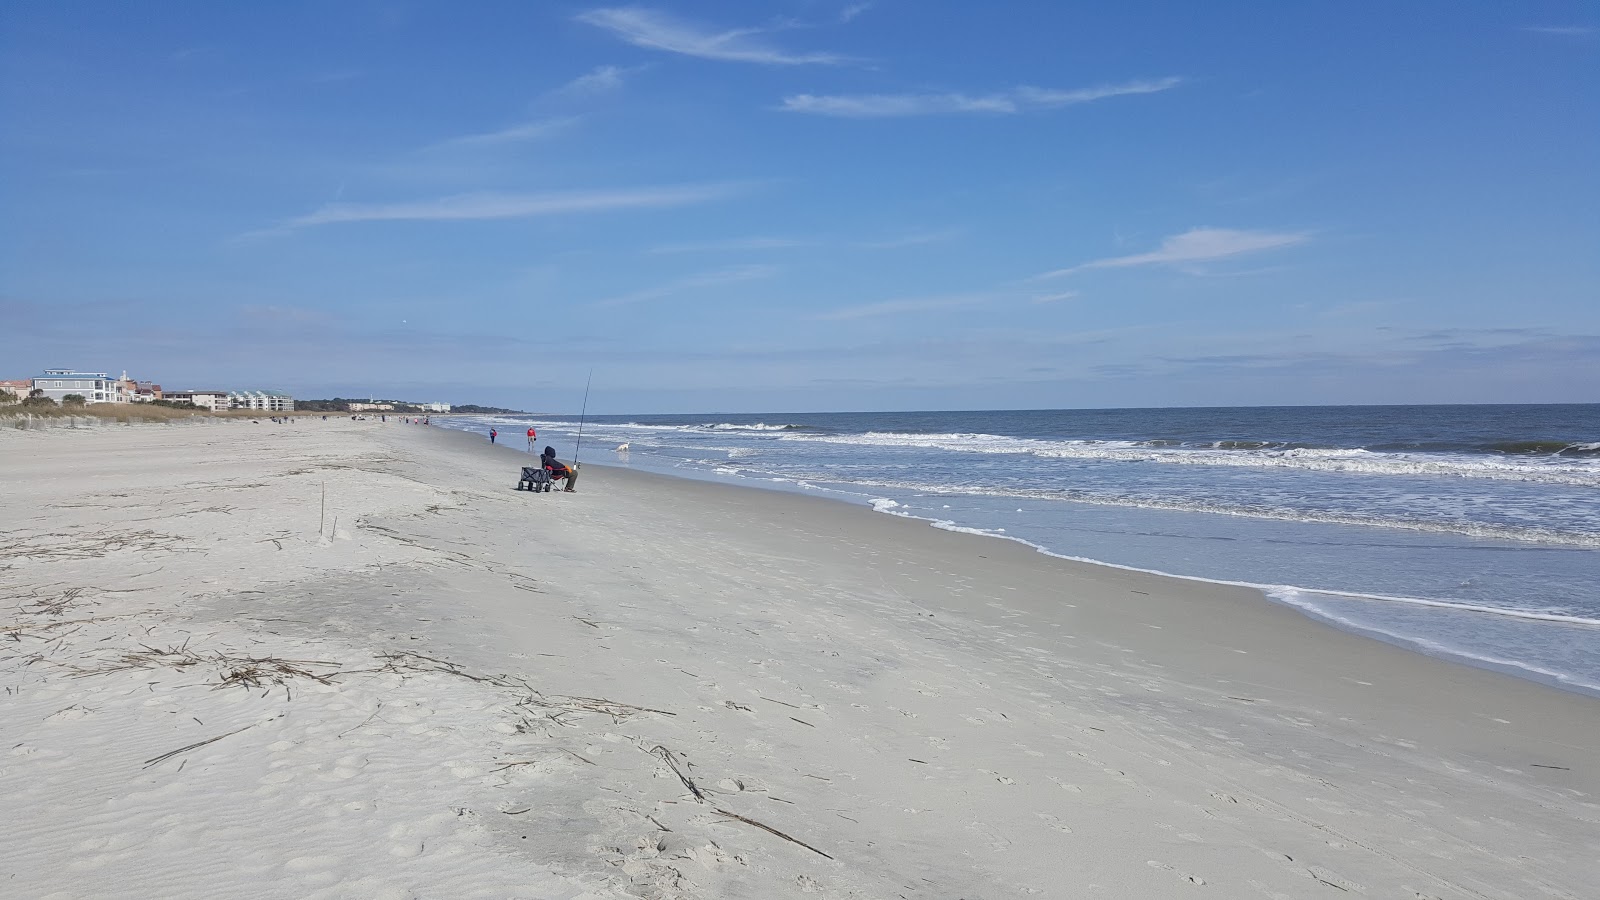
(347, 659)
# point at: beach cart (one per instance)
(534, 478)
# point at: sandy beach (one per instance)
(346, 659)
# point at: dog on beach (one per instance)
(623, 448)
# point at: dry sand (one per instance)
(666, 688)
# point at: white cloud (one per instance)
(849, 13)
(1016, 100)
(510, 206)
(602, 80)
(515, 134)
(1193, 246)
(694, 282)
(659, 31)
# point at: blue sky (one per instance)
(735, 206)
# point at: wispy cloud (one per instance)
(1016, 100)
(510, 206)
(659, 31)
(732, 244)
(908, 305)
(601, 80)
(849, 13)
(515, 134)
(1194, 246)
(711, 279)
(1564, 30)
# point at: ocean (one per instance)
(1470, 532)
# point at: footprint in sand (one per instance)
(1331, 878)
(347, 767)
(1157, 864)
(304, 865)
(1056, 823)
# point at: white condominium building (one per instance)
(267, 401)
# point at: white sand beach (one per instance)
(665, 688)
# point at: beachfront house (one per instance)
(266, 401)
(17, 390)
(212, 400)
(372, 406)
(93, 387)
(436, 407)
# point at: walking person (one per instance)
(493, 434)
(531, 435)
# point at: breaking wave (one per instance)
(1576, 464)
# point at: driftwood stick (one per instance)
(672, 763)
(769, 829)
(580, 758)
(166, 756)
(615, 703)
(10, 628)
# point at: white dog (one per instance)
(623, 448)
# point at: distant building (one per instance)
(128, 389)
(266, 401)
(20, 388)
(93, 387)
(145, 391)
(212, 400)
(436, 407)
(376, 406)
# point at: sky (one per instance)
(799, 205)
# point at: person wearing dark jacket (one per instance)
(559, 470)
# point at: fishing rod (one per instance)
(584, 412)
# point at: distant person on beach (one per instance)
(531, 435)
(493, 434)
(559, 470)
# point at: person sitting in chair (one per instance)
(559, 470)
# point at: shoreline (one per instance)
(1077, 567)
(1274, 593)
(531, 684)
